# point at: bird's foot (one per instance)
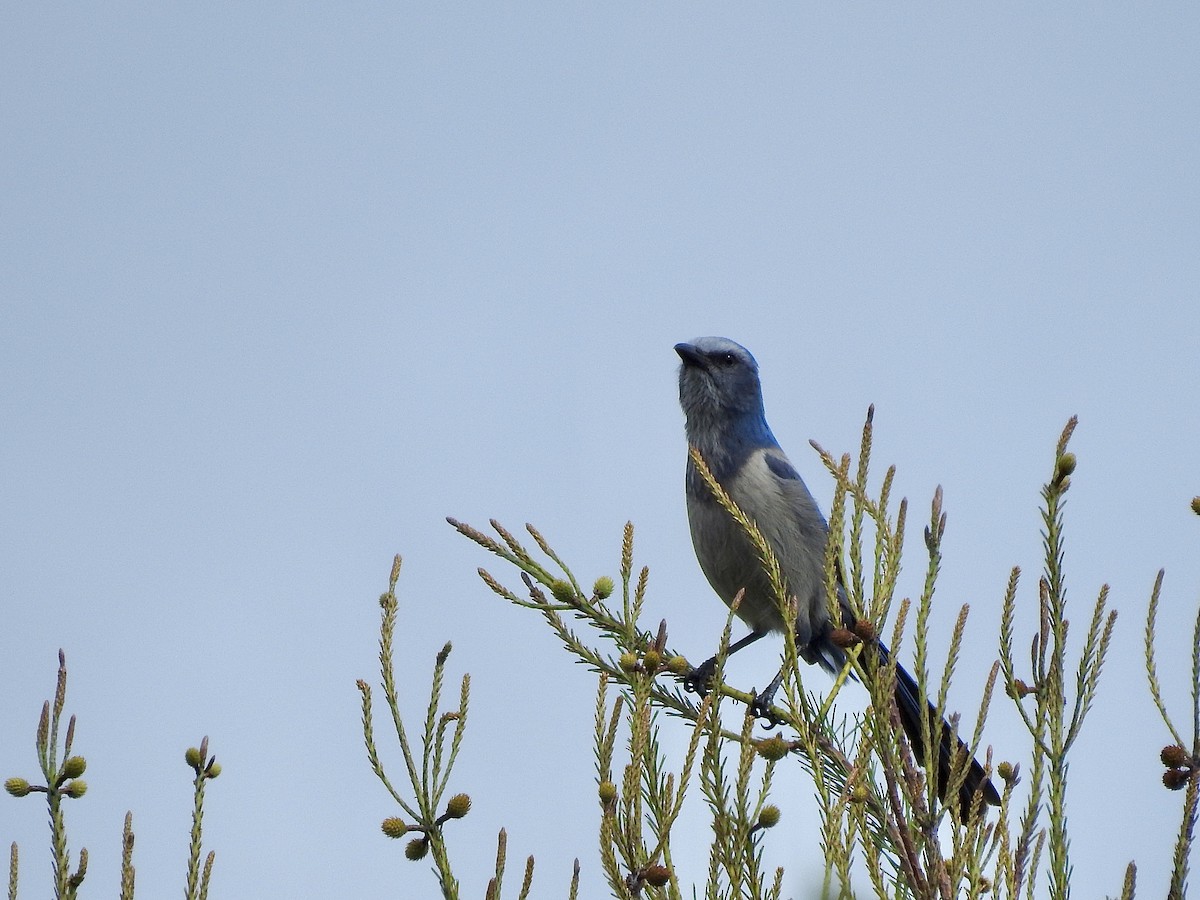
(763, 705)
(699, 679)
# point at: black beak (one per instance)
(691, 356)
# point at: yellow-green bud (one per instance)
(459, 806)
(769, 817)
(1175, 779)
(1006, 770)
(75, 789)
(652, 660)
(657, 876)
(859, 794)
(18, 787)
(678, 665)
(394, 828)
(73, 766)
(213, 770)
(603, 587)
(1196, 505)
(772, 748)
(628, 662)
(562, 591)
(193, 757)
(1066, 465)
(416, 848)
(608, 792)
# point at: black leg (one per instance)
(761, 707)
(697, 681)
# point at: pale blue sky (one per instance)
(283, 285)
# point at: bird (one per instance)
(720, 393)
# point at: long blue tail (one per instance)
(949, 744)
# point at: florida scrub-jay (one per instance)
(721, 396)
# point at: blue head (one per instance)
(721, 397)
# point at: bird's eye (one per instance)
(727, 359)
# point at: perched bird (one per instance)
(721, 396)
